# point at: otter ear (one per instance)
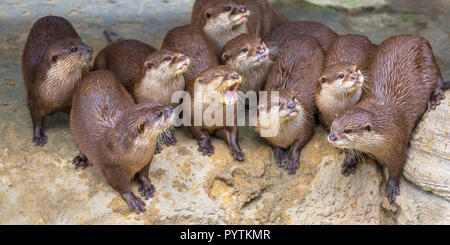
(208, 13)
(148, 65)
(225, 56)
(141, 127)
(323, 79)
(368, 127)
(54, 58)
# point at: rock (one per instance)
(351, 5)
(428, 164)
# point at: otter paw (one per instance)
(291, 165)
(280, 157)
(134, 203)
(238, 154)
(349, 165)
(158, 148)
(436, 98)
(40, 140)
(146, 189)
(205, 147)
(392, 190)
(168, 139)
(81, 161)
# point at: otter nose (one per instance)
(242, 10)
(355, 77)
(332, 137)
(182, 58)
(261, 50)
(291, 106)
(235, 76)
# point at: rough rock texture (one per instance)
(40, 186)
(429, 152)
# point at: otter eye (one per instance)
(347, 131)
(244, 50)
(340, 76)
(74, 49)
(167, 59)
(227, 9)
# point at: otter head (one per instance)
(165, 65)
(245, 51)
(219, 82)
(146, 122)
(355, 130)
(223, 15)
(69, 53)
(341, 79)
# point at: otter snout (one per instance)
(261, 50)
(235, 76)
(332, 137)
(242, 10)
(355, 77)
(182, 58)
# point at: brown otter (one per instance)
(116, 135)
(53, 61)
(406, 78)
(345, 76)
(147, 70)
(217, 87)
(191, 41)
(249, 56)
(325, 35)
(263, 18)
(295, 77)
(221, 20)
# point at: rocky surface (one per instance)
(40, 186)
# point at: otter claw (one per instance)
(238, 154)
(349, 164)
(158, 148)
(291, 165)
(392, 190)
(134, 203)
(81, 161)
(39, 138)
(205, 147)
(279, 156)
(146, 189)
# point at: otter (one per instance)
(145, 71)
(325, 35)
(406, 79)
(345, 76)
(295, 77)
(191, 41)
(53, 61)
(116, 135)
(218, 86)
(263, 18)
(221, 20)
(249, 56)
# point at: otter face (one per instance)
(342, 78)
(165, 64)
(288, 107)
(220, 82)
(225, 15)
(354, 130)
(70, 51)
(245, 51)
(150, 120)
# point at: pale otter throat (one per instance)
(249, 56)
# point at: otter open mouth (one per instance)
(184, 66)
(241, 20)
(230, 94)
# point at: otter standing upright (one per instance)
(53, 61)
(406, 79)
(294, 74)
(116, 135)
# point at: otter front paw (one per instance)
(436, 98)
(134, 203)
(238, 154)
(279, 156)
(205, 147)
(291, 164)
(146, 189)
(158, 148)
(81, 161)
(349, 164)
(39, 138)
(392, 190)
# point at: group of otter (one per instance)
(369, 97)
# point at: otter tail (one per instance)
(112, 36)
